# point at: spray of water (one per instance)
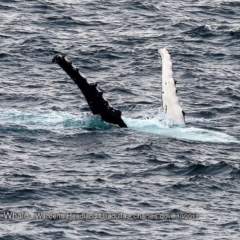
(59, 121)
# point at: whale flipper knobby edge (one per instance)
(94, 97)
(170, 101)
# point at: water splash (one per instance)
(59, 121)
(165, 128)
(49, 120)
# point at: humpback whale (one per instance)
(64, 121)
(100, 106)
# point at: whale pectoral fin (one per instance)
(94, 97)
(170, 101)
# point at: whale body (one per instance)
(170, 103)
(100, 106)
(66, 122)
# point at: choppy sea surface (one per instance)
(56, 158)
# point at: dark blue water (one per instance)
(57, 158)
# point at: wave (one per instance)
(62, 122)
(204, 31)
(214, 30)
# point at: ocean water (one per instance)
(67, 175)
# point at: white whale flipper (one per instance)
(170, 100)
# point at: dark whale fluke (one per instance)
(92, 94)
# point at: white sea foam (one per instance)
(59, 121)
(166, 129)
